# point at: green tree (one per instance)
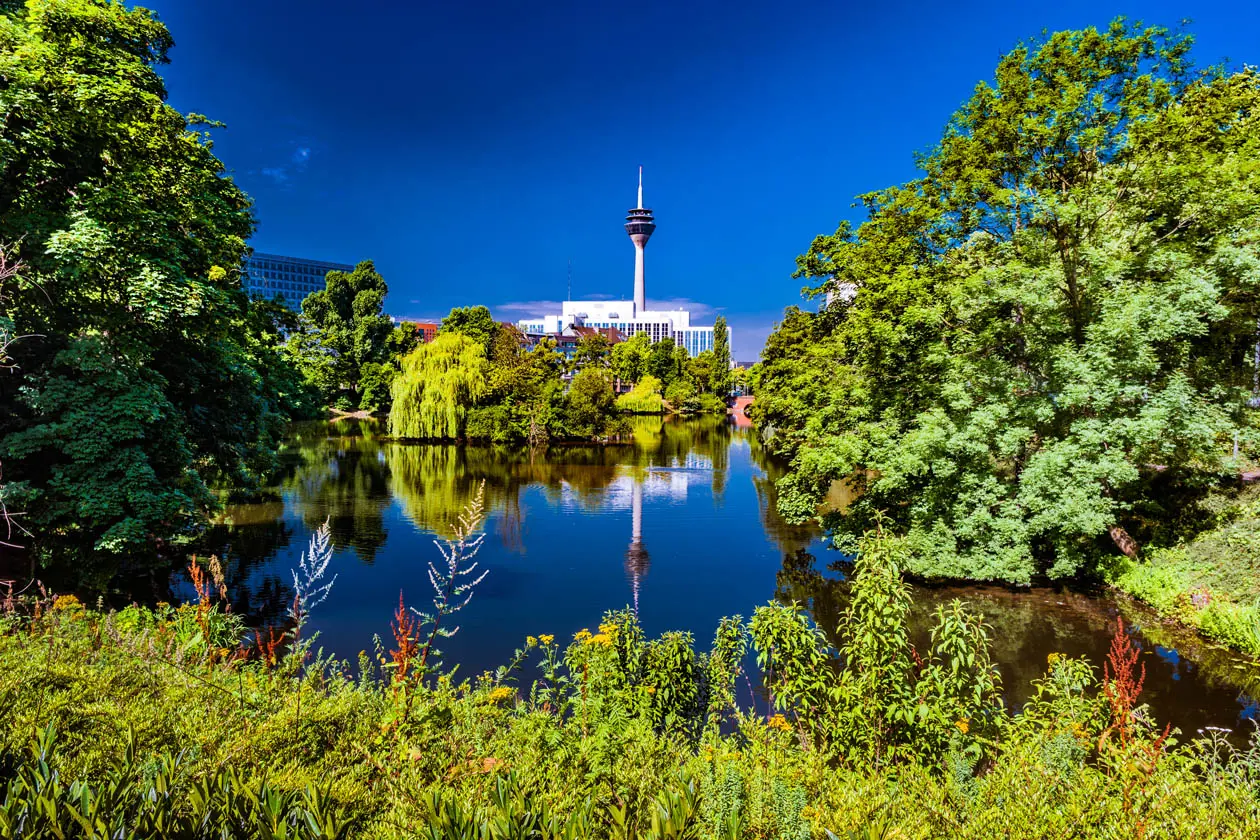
(702, 372)
(661, 362)
(630, 357)
(143, 380)
(346, 336)
(476, 322)
(1048, 353)
(721, 359)
(437, 385)
(590, 403)
(593, 350)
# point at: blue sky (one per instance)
(475, 149)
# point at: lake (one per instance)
(681, 524)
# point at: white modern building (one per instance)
(629, 316)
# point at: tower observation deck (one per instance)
(640, 224)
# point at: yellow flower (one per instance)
(963, 725)
(546, 638)
(582, 635)
(530, 641)
(651, 689)
(609, 629)
(65, 603)
(1053, 659)
(779, 722)
(599, 639)
(499, 694)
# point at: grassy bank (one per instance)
(1210, 582)
(159, 716)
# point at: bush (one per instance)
(643, 398)
(617, 735)
(1168, 582)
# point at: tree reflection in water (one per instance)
(347, 473)
(364, 484)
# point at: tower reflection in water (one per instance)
(637, 559)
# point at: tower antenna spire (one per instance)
(639, 224)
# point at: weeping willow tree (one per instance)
(437, 384)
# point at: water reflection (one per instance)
(571, 529)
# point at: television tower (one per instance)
(639, 224)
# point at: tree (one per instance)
(346, 336)
(593, 350)
(590, 403)
(702, 372)
(1047, 355)
(476, 322)
(437, 385)
(721, 359)
(630, 357)
(376, 379)
(643, 398)
(142, 350)
(661, 362)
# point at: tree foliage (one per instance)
(721, 359)
(438, 383)
(344, 343)
(1050, 346)
(476, 322)
(144, 376)
(630, 357)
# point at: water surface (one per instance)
(680, 524)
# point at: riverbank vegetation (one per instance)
(139, 377)
(665, 378)
(481, 380)
(344, 344)
(1038, 356)
(610, 734)
(478, 381)
(1210, 582)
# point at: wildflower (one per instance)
(602, 639)
(66, 603)
(964, 725)
(1054, 659)
(546, 638)
(530, 641)
(582, 635)
(651, 689)
(609, 629)
(499, 694)
(779, 722)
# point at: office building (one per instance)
(292, 278)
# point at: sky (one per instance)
(487, 152)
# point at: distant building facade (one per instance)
(426, 331)
(628, 316)
(292, 278)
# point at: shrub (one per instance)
(643, 398)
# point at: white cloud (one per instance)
(699, 311)
(529, 307)
(298, 160)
